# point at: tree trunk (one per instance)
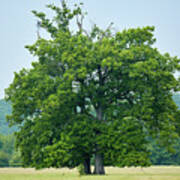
(99, 165)
(99, 159)
(87, 166)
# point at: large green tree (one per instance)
(93, 94)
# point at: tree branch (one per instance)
(80, 25)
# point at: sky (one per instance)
(18, 26)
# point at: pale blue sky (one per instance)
(18, 26)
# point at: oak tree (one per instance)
(93, 94)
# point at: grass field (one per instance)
(152, 173)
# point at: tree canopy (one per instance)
(93, 94)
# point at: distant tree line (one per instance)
(8, 155)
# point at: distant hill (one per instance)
(5, 108)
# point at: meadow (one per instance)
(151, 173)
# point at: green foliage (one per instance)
(93, 94)
(125, 144)
(6, 149)
(81, 169)
(8, 155)
(15, 160)
(7, 143)
(4, 159)
(7, 139)
(160, 155)
(75, 143)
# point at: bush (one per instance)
(81, 169)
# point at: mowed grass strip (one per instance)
(151, 173)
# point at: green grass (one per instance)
(152, 173)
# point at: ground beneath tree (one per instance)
(151, 173)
